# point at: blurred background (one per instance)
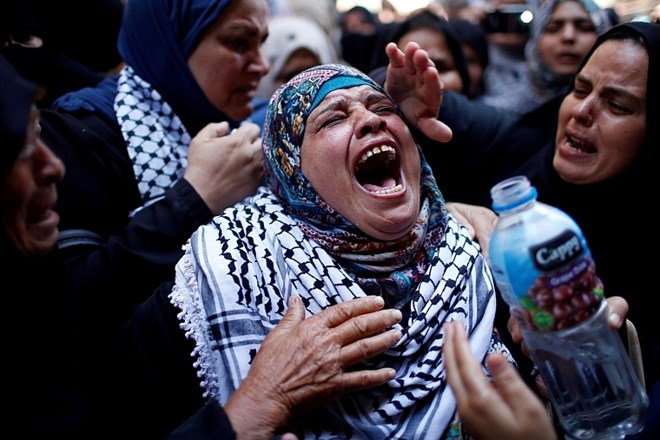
(626, 9)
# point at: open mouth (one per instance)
(39, 214)
(378, 170)
(580, 145)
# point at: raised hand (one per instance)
(413, 82)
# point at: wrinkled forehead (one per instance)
(313, 85)
(294, 101)
(358, 95)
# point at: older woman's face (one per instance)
(567, 37)
(28, 195)
(228, 63)
(602, 122)
(361, 159)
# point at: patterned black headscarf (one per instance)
(16, 98)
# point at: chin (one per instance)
(575, 177)
(238, 114)
(36, 247)
(393, 230)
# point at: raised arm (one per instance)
(413, 82)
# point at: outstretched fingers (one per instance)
(362, 379)
(464, 373)
(396, 56)
(362, 349)
(340, 313)
(360, 328)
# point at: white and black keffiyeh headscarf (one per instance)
(238, 272)
(156, 140)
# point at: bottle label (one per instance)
(557, 252)
(561, 299)
(558, 289)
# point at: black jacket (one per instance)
(489, 145)
(102, 248)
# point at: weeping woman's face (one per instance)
(602, 122)
(28, 194)
(362, 160)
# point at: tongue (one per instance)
(388, 182)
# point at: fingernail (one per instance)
(615, 320)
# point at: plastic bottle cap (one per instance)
(515, 201)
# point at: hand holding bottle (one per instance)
(545, 272)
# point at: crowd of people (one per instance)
(232, 221)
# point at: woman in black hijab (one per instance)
(43, 377)
(596, 162)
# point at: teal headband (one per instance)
(336, 83)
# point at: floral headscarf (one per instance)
(361, 254)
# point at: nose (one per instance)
(583, 111)
(568, 32)
(48, 167)
(259, 64)
(368, 122)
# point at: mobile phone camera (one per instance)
(509, 19)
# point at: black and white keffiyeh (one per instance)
(238, 273)
(233, 285)
(156, 139)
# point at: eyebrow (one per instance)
(332, 104)
(570, 20)
(244, 27)
(339, 101)
(614, 90)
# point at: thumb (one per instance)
(435, 129)
(508, 382)
(296, 312)
(504, 374)
(214, 129)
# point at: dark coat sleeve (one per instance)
(210, 422)
(157, 383)
(487, 145)
(101, 246)
(462, 165)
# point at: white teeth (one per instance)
(375, 150)
(577, 144)
(390, 190)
